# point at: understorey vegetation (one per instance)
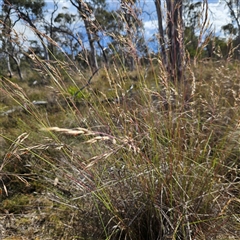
(125, 144)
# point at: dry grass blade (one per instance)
(76, 131)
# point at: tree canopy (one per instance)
(98, 30)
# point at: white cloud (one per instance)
(150, 27)
(24, 34)
(219, 16)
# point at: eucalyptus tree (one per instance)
(233, 28)
(234, 10)
(171, 39)
(132, 28)
(106, 20)
(86, 12)
(48, 26)
(63, 33)
(10, 44)
(68, 36)
(5, 38)
(191, 14)
(31, 12)
(103, 26)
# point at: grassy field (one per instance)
(130, 156)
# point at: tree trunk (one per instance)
(9, 66)
(18, 61)
(93, 54)
(85, 14)
(175, 38)
(160, 30)
(26, 18)
(6, 34)
(172, 48)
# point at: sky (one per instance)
(218, 11)
(218, 16)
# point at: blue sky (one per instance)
(218, 16)
(218, 13)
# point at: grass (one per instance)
(143, 164)
(130, 156)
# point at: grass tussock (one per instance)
(122, 156)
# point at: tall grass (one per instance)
(127, 158)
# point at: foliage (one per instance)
(191, 41)
(77, 94)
